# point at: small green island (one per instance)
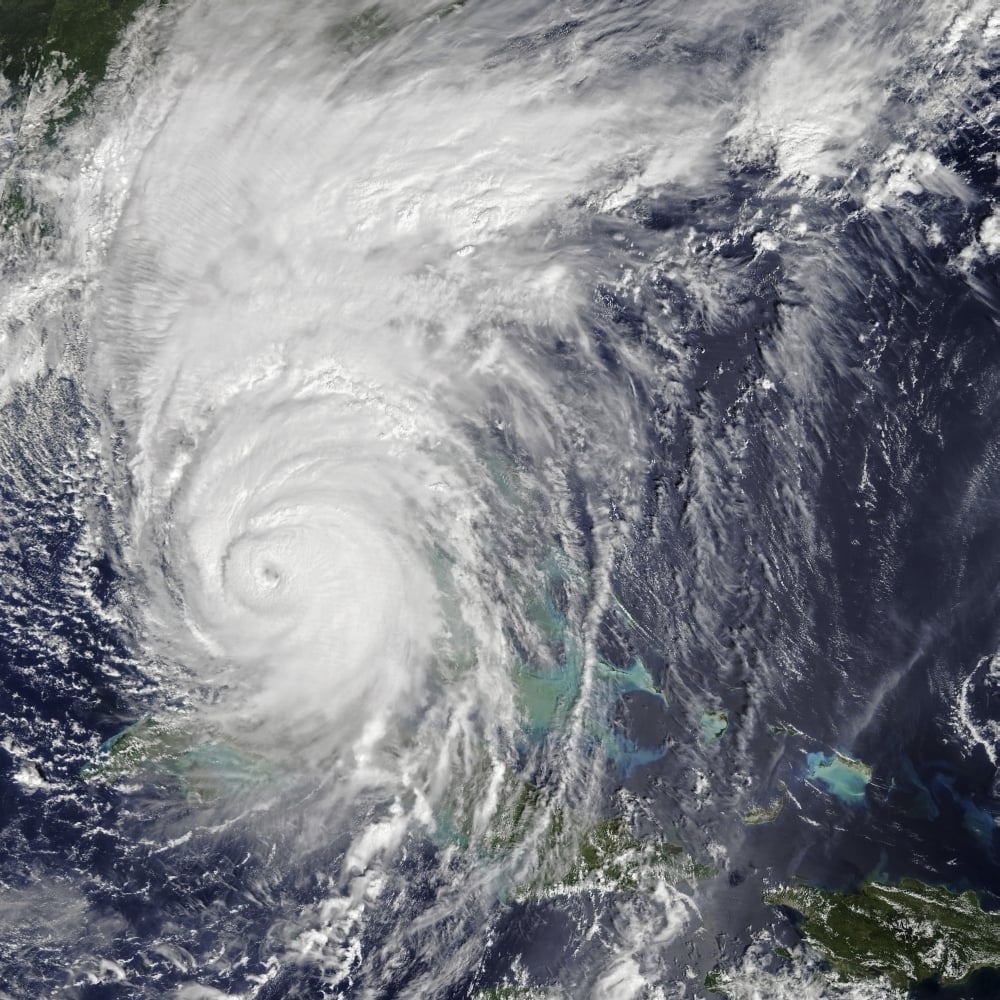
(758, 815)
(906, 933)
(512, 992)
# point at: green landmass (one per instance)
(572, 853)
(143, 742)
(784, 729)
(513, 824)
(608, 858)
(20, 212)
(86, 33)
(764, 814)
(24, 31)
(15, 206)
(611, 858)
(509, 992)
(906, 933)
(71, 38)
(204, 769)
(715, 981)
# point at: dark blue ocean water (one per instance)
(821, 563)
(903, 581)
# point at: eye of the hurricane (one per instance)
(258, 569)
(304, 569)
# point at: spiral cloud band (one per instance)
(470, 469)
(300, 327)
(296, 537)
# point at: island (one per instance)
(905, 933)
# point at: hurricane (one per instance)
(498, 500)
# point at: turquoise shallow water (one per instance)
(465, 467)
(840, 776)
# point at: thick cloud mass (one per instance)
(455, 452)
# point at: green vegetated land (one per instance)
(202, 769)
(508, 992)
(612, 857)
(758, 815)
(608, 857)
(906, 933)
(74, 38)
